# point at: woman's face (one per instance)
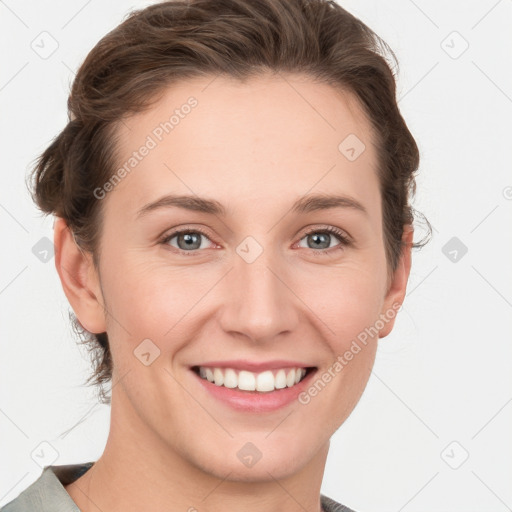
(257, 286)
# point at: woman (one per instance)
(233, 232)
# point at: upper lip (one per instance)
(255, 366)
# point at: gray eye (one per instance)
(319, 240)
(188, 241)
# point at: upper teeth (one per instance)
(248, 381)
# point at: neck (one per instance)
(139, 471)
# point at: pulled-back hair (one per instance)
(134, 64)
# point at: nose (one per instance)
(259, 301)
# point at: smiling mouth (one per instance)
(262, 382)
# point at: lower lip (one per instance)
(255, 401)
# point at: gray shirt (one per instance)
(47, 493)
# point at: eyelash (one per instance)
(341, 235)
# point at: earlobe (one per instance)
(398, 287)
(79, 279)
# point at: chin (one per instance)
(246, 463)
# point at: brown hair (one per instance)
(133, 65)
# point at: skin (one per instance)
(255, 147)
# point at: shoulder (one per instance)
(32, 498)
(329, 505)
(47, 493)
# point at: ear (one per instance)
(398, 286)
(79, 279)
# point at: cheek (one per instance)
(348, 308)
(346, 301)
(148, 301)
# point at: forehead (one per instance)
(275, 136)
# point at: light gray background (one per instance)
(441, 387)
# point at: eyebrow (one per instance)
(305, 204)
